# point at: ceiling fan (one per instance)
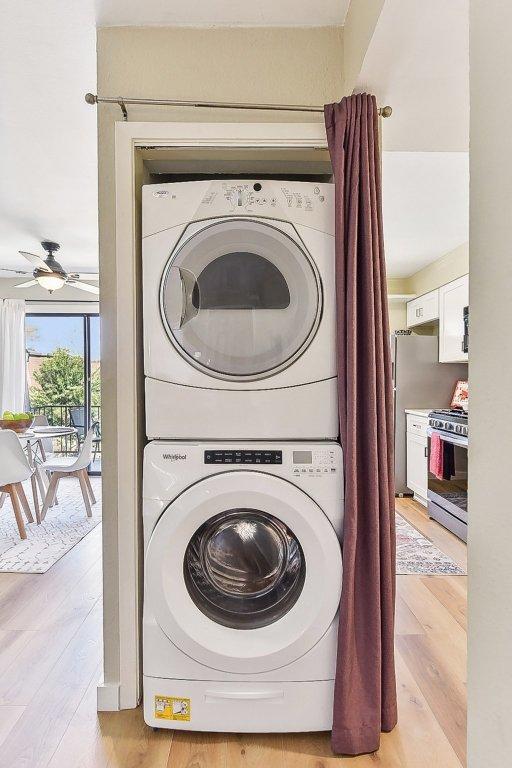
(49, 274)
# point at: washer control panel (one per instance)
(315, 463)
(243, 457)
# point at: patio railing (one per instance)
(59, 415)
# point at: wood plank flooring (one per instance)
(50, 662)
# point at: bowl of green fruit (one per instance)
(18, 422)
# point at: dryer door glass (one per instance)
(240, 299)
(244, 569)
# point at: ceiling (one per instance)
(263, 13)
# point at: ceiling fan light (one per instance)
(52, 281)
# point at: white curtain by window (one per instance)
(12, 355)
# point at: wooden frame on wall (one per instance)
(122, 319)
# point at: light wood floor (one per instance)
(50, 662)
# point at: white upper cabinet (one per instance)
(453, 297)
(424, 309)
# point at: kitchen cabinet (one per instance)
(424, 309)
(417, 456)
(453, 297)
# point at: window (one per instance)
(64, 374)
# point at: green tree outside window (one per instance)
(60, 381)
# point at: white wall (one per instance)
(490, 374)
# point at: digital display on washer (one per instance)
(243, 457)
(302, 457)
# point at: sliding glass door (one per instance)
(63, 377)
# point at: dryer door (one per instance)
(240, 298)
(243, 572)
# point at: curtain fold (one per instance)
(365, 689)
(12, 355)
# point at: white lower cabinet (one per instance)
(417, 460)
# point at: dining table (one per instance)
(33, 440)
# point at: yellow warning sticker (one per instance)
(172, 708)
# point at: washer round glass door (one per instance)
(243, 572)
(244, 568)
(240, 299)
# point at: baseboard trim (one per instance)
(107, 697)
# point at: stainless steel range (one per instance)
(448, 470)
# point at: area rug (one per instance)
(64, 526)
(415, 554)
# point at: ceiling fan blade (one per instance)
(85, 287)
(87, 276)
(16, 271)
(27, 284)
(37, 261)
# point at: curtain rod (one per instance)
(122, 101)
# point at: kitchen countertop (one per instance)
(422, 412)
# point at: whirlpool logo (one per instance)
(174, 456)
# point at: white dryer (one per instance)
(239, 310)
(242, 585)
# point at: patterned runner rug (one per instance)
(415, 554)
(63, 527)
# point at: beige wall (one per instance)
(448, 267)
(397, 315)
(256, 65)
(397, 309)
(275, 65)
(490, 373)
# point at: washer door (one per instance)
(240, 299)
(243, 572)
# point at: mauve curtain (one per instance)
(365, 690)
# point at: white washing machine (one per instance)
(242, 585)
(239, 310)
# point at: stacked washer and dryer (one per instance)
(243, 477)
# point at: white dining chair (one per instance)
(65, 466)
(38, 451)
(44, 445)
(14, 469)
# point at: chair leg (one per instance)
(41, 477)
(11, 490)
(48, 477)
(85, 493)
(89, 486)
(50, 494)
(24, 503)
(33, 483)
(3, 497)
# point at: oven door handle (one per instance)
(459, 440)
